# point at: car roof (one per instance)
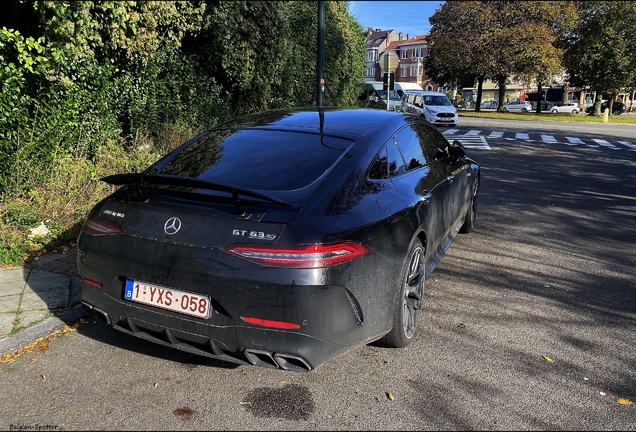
(424, 93)
(336, 121)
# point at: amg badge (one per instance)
(254, 234)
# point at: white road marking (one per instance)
(574, 141)
(522, 136)
(629, 144)
(548, 138)
(474, 141)
(450, 131)
(473, 132)
(496, 134)
(605, 144)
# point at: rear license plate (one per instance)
(168, 298)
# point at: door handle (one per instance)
(425, 197)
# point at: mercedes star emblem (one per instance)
(172, 226)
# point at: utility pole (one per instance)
(321, 53)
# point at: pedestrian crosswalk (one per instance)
(475, 138)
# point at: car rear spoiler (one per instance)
(137, 180)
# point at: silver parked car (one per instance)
(568, 107)
(523, 106)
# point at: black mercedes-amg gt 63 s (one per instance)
(282, 238)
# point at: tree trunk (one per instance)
(597, 104)
(480, 86)
(539, 97)
(501, 80)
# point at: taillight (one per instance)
(91, 282)
(98, 226)
(270, 323)
(305, 256)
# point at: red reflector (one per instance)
(305, 256)
(91, 282)
(270, 323)
(95, 225)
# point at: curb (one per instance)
(45, 328)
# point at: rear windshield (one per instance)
(258, 159)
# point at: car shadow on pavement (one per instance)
(553, 299)
(105, 334)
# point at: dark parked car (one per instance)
(618, 108)
(282, 238)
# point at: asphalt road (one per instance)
(548, 273)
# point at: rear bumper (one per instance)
(267, 348)
(335, 308)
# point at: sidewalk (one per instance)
(38, 299)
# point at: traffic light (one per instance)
(389, 81)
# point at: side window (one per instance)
(409, 144)
(395, 160)
(389, 163)
(379, 169)
(434, 145)
(411, 98)
(418, 101)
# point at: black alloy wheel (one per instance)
(409, 307)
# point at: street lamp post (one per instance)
(320, 66)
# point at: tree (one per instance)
(601, 51)
(497, 39)
(456, 44)
(345, 55)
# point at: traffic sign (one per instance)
(389, 61)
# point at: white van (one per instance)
(401, 87)
(433, 106)
(373, 89)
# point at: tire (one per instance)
(409, 305)
(524, 110)
(505, 109)
(471, 212)
(554, 111)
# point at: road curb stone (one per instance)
(43, 329)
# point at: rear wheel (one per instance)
(524, 110)
(471, 212)
(554, 111)
(409, 306)
(575, 111)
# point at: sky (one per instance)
(408, 17)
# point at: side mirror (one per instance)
(457, 150)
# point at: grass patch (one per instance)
(60, 193)
(547, 116)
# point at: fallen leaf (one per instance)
(184, 413)
(602, 393)
(540, 273)
(462, 325)
(413, 383)
(548, 359)
(156, 385)
(283, 382)
(126, 364)
(40, 342)
(624, 401)
(64, 412)
(43, 377)
(33, 360)
(390, 396)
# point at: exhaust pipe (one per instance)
(292, 363)
(261, 358)
(97, 313)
